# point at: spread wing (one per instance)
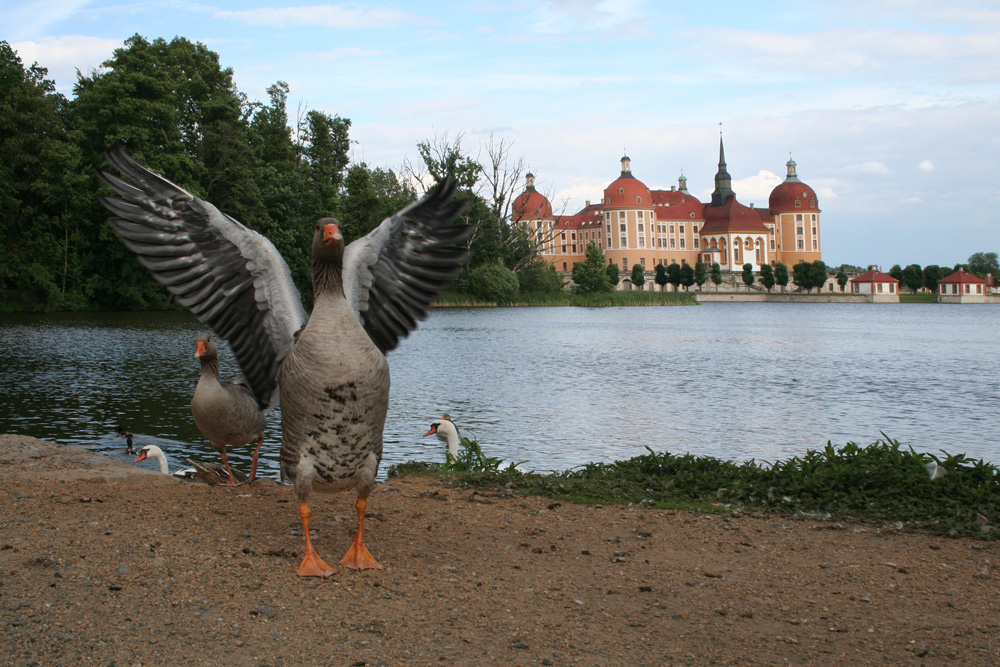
(232, 278)
(392, 275)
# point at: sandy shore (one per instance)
(104, 563)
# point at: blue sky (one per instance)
(891, 108)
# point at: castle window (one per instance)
(642, 262)
(815, 246)
(682, 229)
(672, 243)
(798, 204)
(638, 200)
(638, 214)
(621, 191)
(682, 242)
(622, 227)
(642, 241)
(812, 203)
(691, 214)
(801, 245)
(694, 228)
(621, 215)
(798, 217)
(798, 230)
(623, 241)
(696, 243)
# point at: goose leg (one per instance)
(225, 461)
(312, 564)
(357, 557)
(253, 465)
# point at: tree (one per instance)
(800, 276)
(913, 277)
(747, 275)
(766, 276)
(983, 264)
(896, 272)
(638, 276)
(686, 276)
(932, 274)
(781, 275)
(325, 158)
(842, 278)
(41, 187)
(817, 274)
(540, 277)
(494, 283)
(674, 275)
(590, 274)
(661, 276)
(716, 274)
(611, 271)
(700, 274)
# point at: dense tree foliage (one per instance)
(494, 283)
(842, 278)
(716, 274)
(590, 275)
(767, 276)
(913, 277)
(674, 275)
(686, 276)
(638, 276)
(781, 275)
(660, 278)
(747, 275)
(700, 274)
(611, 271)
(983, 264)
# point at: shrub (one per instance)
(495, 283)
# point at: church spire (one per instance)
(723, 181)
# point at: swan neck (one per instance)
(453, 443)
(162, 460)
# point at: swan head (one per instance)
(150, 452)
(205, 348)
(446, 431)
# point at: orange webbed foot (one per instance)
(358, 558)
(313, 566)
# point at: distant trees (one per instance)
(767, 277)
(674, 275)
(611, 272)
(661, 276)
(896, 272)
(808, 275)
(700, 274)
(983, 264)
(638, 276)
(686, 276)
(932, 274)
(716, 275)
(494, 283)
(781, 275)
(842, 278)
(747, 275)
(913, 277)
(590, 275)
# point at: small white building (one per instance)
(962, 287)
(879, 287)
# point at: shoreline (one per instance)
(105, 562)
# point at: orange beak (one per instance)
(331, 234)
(434, 429)
(199, 350)
(141, 457)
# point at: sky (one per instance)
(890, 108)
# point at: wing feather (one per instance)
(392, 275)
(232, 278)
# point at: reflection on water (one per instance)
(557, 387)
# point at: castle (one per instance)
(635, 225)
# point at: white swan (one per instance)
(447, 432)
(212, 474)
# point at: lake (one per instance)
(558, 387)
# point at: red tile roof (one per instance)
(732, 217)
(874, 276)
(962, 277)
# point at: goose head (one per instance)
(205, 348)
(446, 431)
(328, 241)
(155, 453)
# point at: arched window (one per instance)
(638, 200)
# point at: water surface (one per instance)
(558, 387)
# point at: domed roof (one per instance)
(627, 190)
(790, 191)
(531, 204)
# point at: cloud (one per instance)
(869, 168)
(64, 55)
(756, 188)
(345, 53)
(28, 19)
(327, 16)
(926, 165)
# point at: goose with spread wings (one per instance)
(330, 366)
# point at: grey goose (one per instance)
(330, 367)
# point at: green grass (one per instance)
(920, 297)
(633, 298)
(881, 482)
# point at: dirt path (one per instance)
(103, 563)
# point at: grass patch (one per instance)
(880, 482)
(565, 298)
(920, 297)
